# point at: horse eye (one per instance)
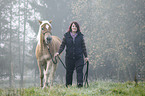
(42, 28)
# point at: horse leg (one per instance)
(41, 73)
(46, 73)
(51, 77)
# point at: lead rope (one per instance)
(86, 74)
(62, 62)
(55, 62)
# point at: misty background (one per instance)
(114, 32)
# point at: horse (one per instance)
(44, 59)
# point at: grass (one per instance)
(99, 88)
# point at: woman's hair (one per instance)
(77, 25)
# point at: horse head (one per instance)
(45, 31)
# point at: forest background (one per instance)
(114, 32)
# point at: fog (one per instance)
(114, 32)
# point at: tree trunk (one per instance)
(19, 52)
(10, 46)
(118, 72)
(23, 62)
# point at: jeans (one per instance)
(71, 65)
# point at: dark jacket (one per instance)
(74, 49)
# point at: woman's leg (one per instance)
(79, 69)
(69, 71)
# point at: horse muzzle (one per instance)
(48, 40)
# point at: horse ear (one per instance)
(50, 21)
(40, 22)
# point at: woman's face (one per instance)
(73, 27)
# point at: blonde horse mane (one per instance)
(38, 36)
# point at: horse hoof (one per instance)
(45, 87)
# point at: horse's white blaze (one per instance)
(47, 27)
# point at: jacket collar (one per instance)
(78, 33)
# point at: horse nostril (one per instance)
(49, 39)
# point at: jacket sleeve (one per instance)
(84, 47)
(62, 46)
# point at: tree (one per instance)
(109, 25)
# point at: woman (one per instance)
(73, 40)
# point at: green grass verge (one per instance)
(95, 89)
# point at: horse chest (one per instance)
(45, 55)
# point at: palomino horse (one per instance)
(44, 59)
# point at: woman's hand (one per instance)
(86, 59)
(56, 54)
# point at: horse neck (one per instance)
(41, 42)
